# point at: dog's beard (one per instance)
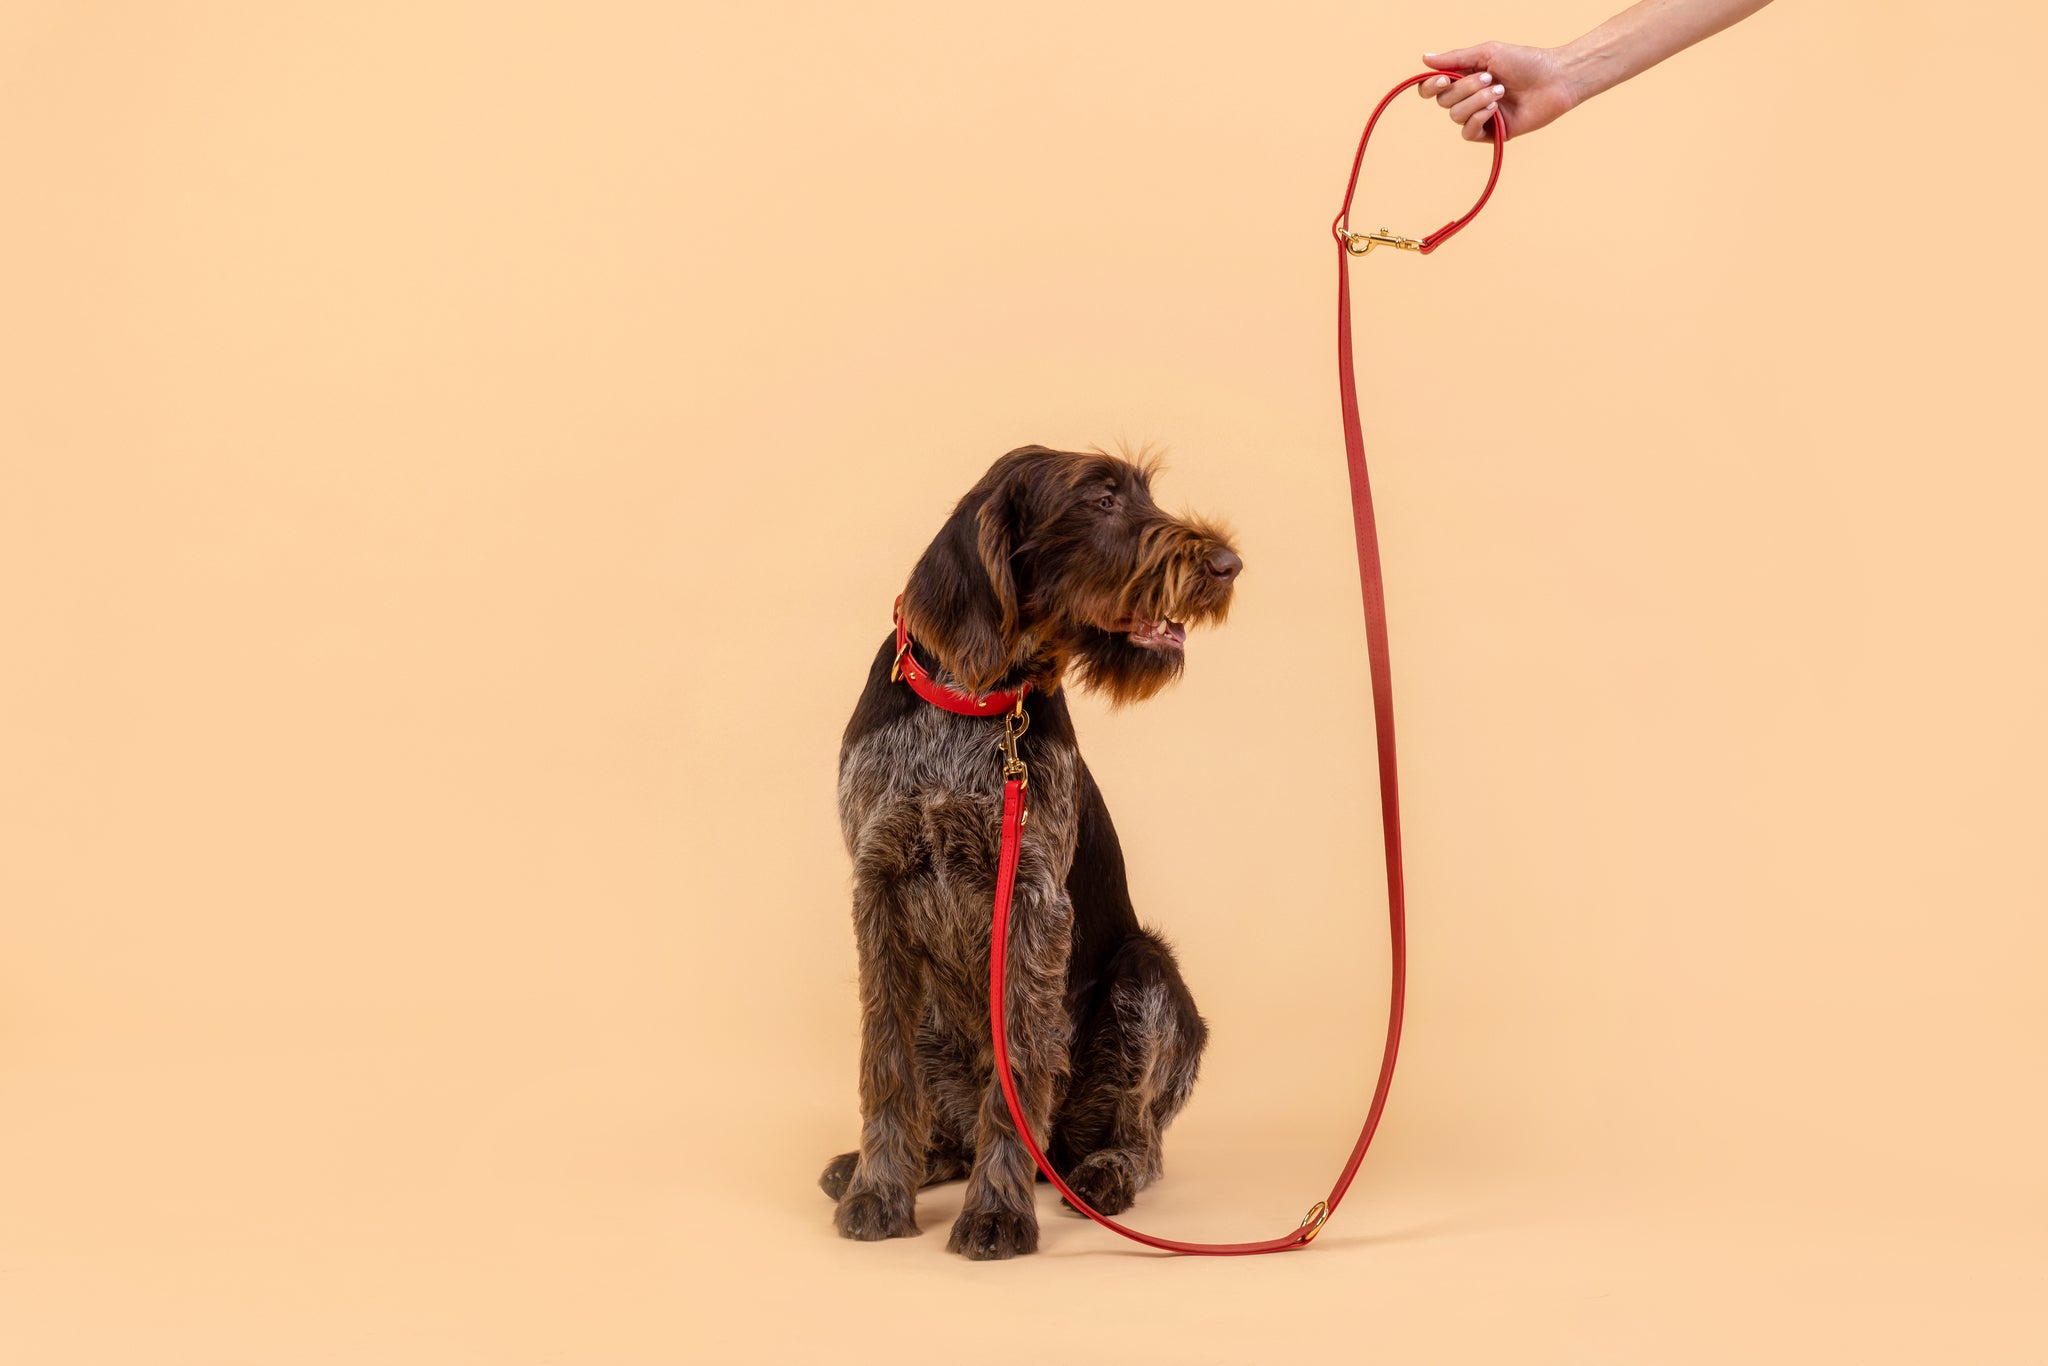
(1121, 669)
(1141, 646)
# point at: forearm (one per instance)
(1643, 35)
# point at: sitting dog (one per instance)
(1057, 567)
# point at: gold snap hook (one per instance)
(1360, 243)
(1014, 725)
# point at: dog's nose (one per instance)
(1224, 564)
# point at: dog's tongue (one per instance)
(1175, 632)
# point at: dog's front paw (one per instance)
(870, 1216)
(838, 1174)
(993, 1235)
(1104, 1181)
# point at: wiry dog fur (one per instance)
(1056, 567)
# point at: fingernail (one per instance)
(1427, 56)
(1486, 75)
(1441, 81)
(1498, 90)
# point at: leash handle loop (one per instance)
(1359, 243)
(1374, 595)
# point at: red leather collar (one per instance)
(939, 694)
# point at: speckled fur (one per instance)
(1104, 1037)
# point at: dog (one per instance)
(1057, 567)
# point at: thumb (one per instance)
(1464, 59)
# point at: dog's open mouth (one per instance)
(1159, 635)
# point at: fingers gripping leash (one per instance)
(1015, 776)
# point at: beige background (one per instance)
(457, 463)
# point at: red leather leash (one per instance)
(1349, 244)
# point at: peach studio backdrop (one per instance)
(457, 462)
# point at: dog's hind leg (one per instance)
(1138, 1039)
(944, 1161)
(1135, 1062)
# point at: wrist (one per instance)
(1584, 69)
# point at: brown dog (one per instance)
(1056, 567)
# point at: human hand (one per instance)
(1530, 85)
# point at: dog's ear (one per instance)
(998, 528)
(961, 602)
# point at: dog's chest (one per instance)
(923, 798)
(928, 755)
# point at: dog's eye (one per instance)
(1107, 502)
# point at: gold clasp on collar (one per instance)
(1359, 243)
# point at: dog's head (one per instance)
(1058, 562)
